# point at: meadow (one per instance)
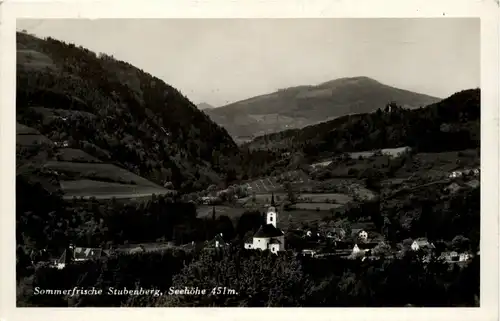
(98, 171)
(106, 190)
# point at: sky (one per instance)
(219, 61)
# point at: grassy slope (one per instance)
(305, 105)
(74, 172)
(116, 112)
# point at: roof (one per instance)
(274, 241)
(271, 209)
(86, 253)
(268, 230)
(422, 242)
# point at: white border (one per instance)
(487, 10)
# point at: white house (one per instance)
(360, 233)
(421, 244)
(268, 237)
(311, 253)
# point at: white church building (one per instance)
(268, 237)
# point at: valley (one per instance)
(349, 175)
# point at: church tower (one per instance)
(272, 216)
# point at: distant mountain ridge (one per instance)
(301, 106)
(202, 106)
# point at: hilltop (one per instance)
(300, 106)
(112, 112)
(203, 106)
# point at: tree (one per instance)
(290, 193)
(382, 249)
(258, 278)
(460, 243)
(249, 221)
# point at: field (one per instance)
(321, 164)
(25, 130)
(52, 113)
(270, 184)
(34, 60)
(294, 218)
(266, 198)
(324, 198)
(98, 171)
(448, 161)
(393, 152)
(316, 206)
(105, 190)
(32, 140)
(75, 155)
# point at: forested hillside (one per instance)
(451, 124)
(118, 114)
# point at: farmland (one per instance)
(105, 190)
(75, 155)
(315, 206)
(327, 197)
(32, 140)
(393, 152)
(25, 130)
(273, 183)
(99, 171)
(296, 217)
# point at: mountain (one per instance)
(105, 110)
(450, 124)
(300, 106)
(203, 106)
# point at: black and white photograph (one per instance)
(248, 162)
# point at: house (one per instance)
(454, 256)
(79, 254)
(209, 200)
(337, 233)
(309, 252)
(422, 244)
(218, 241)
(453, 188)
(312, 234)
(362, 248)
(268, 236)
(455, 174)
(359, 233)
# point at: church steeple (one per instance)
(272, 199)
(213, 213)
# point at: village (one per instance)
(292, 205)
(361, 243)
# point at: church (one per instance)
(268, 236)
